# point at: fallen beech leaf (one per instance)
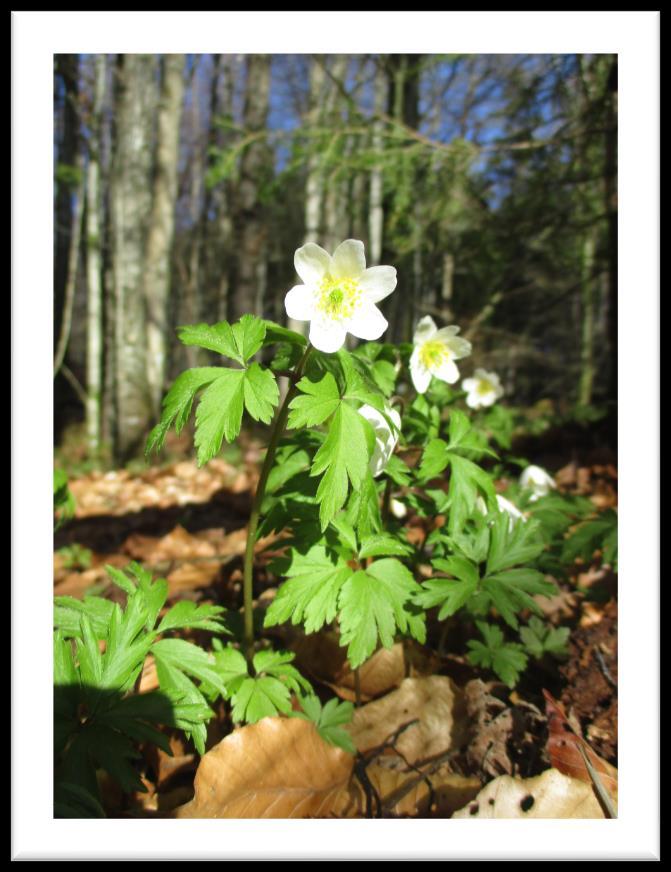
(320, 655)
(276, 768)
(450, 791)
(549, 795)
(564, 749)
(435, 702)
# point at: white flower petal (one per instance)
(312, 263)
(469, 384)
(446, 371)
(447, 332)
(473, 400)
(327, 335)
(385, 439)
(349, 260)
(299, 303)
(425, 329)
(459, 347)
(397, 508)
(421, 377)
(378, 282)
(488, 399)
(367, 322)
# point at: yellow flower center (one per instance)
(484, 387)
(338, 298)
(434, 353)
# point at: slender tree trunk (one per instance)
(131, 207)
(94, 311)
(162, 224)
(404, 107)
(73, 266)
(376, 214)
(587, 338)
(445, 302)
(66, 68)
(250, 221)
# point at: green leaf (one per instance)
(213, 337)
(329, 720)
(343, 458)
(450, 595)
(68, 611)
(346, 533)
(511, 591)
(383, 545)
(275, 333)
(539, 639)
(278, 664)
(373, 604)
(311, 593)
(466, 480)
(316, 402)
(434, 460)
(219, 413)
(188, 658)
(507, 659)
(232, 667)
(259, 698)
(188, 614)
(240, 341)
(178, 401)
(261, 393)
(513, 544)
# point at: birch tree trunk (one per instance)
(131, 207)
(94, 307)
(250, 219)
(162, 224)
(376, 214)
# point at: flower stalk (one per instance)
(254, 517)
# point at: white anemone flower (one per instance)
(483, 389)
(435, 353)
(538, 481)
(338, 294)
(504, 505)
(398, 509)
(385, 437)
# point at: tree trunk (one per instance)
(94, 309)
(250, 217)
(131, 207)
(162, 224)
(587, 338)
(376, 214)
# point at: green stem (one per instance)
(248, 573)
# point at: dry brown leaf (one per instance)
(564, 749)
(549, 795)
(450, 791)
(277, 768)
(435, 702)
(320, 655)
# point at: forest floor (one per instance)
(432, 730)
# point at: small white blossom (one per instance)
(538, 481)
(338, 294)
(435, 353)
(504, 505)
(385, 437)
(483, 389)
(397, 508)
